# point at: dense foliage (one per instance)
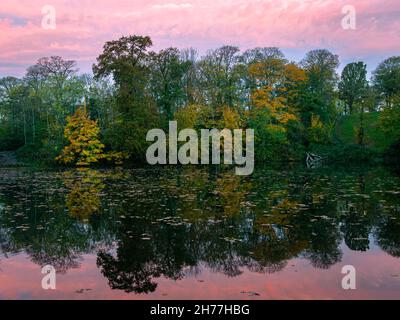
(84, 145)
(293, 107)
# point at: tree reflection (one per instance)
(147, 224)
(387, 233)
(84, 188)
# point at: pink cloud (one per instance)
(294, 25)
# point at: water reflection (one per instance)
(144, 224)
(84, 190)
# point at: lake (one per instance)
(200, 233)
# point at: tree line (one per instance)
(292, 106)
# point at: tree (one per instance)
(261, 54)
(127, 60)
(389, 121)
(386, 79)
(189, 59)
(13, 120)
(167, 71)
(274, 113)
(353, 85)
(219, 77)
(320, 66)
(84, 146)
(371, 100)
(273, 79)
(250, 57)
(100, 96)
(56, 72)
(54, 91)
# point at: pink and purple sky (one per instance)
(296, 26)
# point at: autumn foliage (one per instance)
(293, 107)
(84, 146)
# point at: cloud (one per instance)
(294, 25)
(172, 6)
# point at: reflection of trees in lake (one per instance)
(35, 220)
(357, 218)
(356, 228)
(169, 222)
(387, 231)
(83, 198)
(137, 261)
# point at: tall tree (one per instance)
(320, 66)
(13, 104)
(54, 89)
(353, 85)
(57, 72)
(247, 83)
(386, 79)
(218, 77)
(127, 61)
(189, 59)
(167, 71)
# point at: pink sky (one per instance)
(21, 279)
(296, 26)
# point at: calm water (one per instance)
(173, 233)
